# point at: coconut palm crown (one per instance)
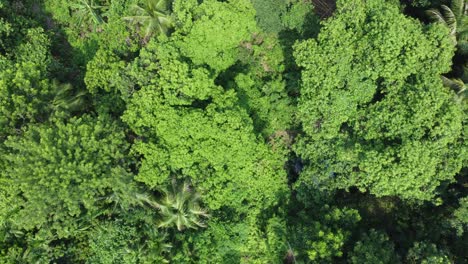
(152, 17)
(179, 206)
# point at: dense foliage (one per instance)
(367, 84)
(237, 131)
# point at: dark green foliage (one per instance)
(420, 3)
(119, 242)
(374, 247)
(87, 12)
(24, 87)
(278, 16)
(455, 19)
(268, 14)
(236, 242)
(262, 89)
(460, 217)
(301, 18)
(318, 235)
(112, 243)
(85, 15)
(59, 177)
(426, 253)
(27, 94)
(85, 38)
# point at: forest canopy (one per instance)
(237, 131)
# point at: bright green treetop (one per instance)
(219, 27)
(191, 127)
(373, 108)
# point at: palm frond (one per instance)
(177, 207)
(462, 47)
(152, 16)
(161, 5)
(87, 10)
(436, 16)
(463, 35)
(450, 19)
(168, 221)
(458, 8)
(465, 73)
(456, 85)
(144, 198)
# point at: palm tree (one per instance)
(455, 19)
(156, 246)
(87, 11)
(66, 99)
(456, 85)
(152, 16)
(178, 206)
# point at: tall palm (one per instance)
(456, 20)
(178, 207)
(153, 16)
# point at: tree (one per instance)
(58, 178)
(106, 80)
(426, 253)
(374, 112)
(318, 234)
(24, 87)
(87, 12)
(179, 206)
(234, 241)
(459, 220)
(374, 247)
(153, 17)
(268, 14)
(191, 128)
(217, 30)
(65, 99)
(125, 241)
(261, 87)
(458, 86)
